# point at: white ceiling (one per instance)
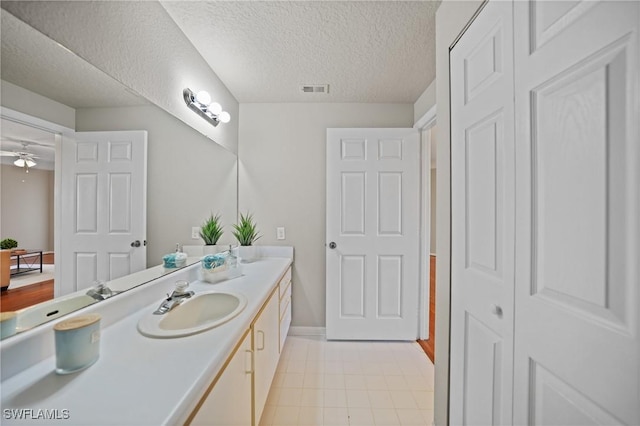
(33, 61)
(367, 51)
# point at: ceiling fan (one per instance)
(25, 159)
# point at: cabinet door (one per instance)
(266, 347)
(229, 402)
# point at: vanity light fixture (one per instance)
(201, 103)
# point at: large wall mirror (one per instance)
(188, 176)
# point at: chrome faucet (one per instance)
(100, 291)
(176, 297)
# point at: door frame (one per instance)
(60, 133)
(424, 125)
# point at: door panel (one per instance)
(577, 349)
(373, 217)
(103, 207)
(482, 228)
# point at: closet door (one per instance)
(578, 209)
(482, 152)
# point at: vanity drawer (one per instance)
(285, 282)
(285, 322)
(285, 300)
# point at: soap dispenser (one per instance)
(232, 259)
(181, 257)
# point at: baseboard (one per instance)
(307, 331)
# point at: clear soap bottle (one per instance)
(232, 259)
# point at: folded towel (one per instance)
(174, 260)
(214, 261)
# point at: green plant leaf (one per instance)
(245, 230)
(211, 230)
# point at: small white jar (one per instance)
(77, 343)
(8, 322)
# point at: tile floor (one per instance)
(350, 383)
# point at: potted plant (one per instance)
(246, 233)
(8, 244)
(210, 232)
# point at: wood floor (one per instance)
(21, 297)
(429, 346)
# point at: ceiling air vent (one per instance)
(314, 88)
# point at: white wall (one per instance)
(138, 44)
(425, 102)
(282, 182)
(27, 207)
(27, 102)
(188, 176)
(451, 19)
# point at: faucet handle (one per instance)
(181, 286)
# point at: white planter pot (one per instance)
(248, 254)
(213, 249)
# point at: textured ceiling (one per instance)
(37, 63)
(367, 51)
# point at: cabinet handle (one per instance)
(250, 369)
(261, 347)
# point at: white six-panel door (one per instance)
(482, 226)
(103, 207)
(373, 178)
(577, 352)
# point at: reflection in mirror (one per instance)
(189, 177)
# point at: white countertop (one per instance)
(140, 380)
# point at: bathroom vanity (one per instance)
(218, 376)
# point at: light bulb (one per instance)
(19, 162)
(215, 108)
(203, 97)
(30, 163)
(224, 117)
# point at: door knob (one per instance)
(332, 245)
(496, 310)
(136, 243)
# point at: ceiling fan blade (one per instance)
(8, 154)
(25, 142)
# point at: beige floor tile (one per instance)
(313, 380)
(385, 417)
(424, 399)
(311, 416)
(403, 399)
(355, 381)
(286, 416)
(292, 380)
(335, 416)
(358, 398)
(290, 397)
(375, 382)
(335, 398)
(410, 417)
(334, 381)
(380, 399)
(360, 416)
(312, 398)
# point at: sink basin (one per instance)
(196, 314)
